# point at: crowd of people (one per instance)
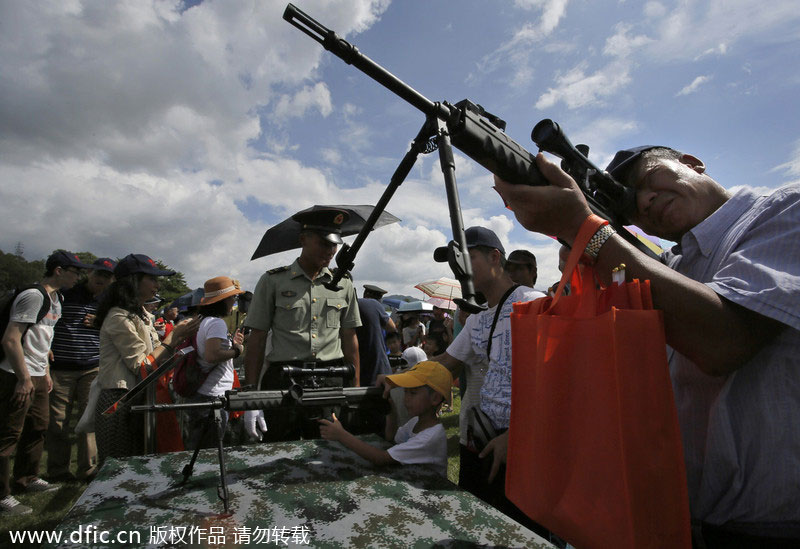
(729, 291)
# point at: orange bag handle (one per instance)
(586, 308)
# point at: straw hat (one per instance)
(219, 288)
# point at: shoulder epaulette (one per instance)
(278, 270)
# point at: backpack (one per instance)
(8, 301)
(187, 375)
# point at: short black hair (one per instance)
(664, 153)
(218, 309)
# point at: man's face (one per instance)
(317, 251)
(68, 277)
(171, 313)
(671, 197)
(521, 274)
(481, 269)
(438, 313)
(98, 281)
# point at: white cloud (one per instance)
(621, 45)
(117, 115)
(792, 167)
(653, 10)
(577, 89)
(310, 97)
(715, 27)
(525, 41)
(694, 86)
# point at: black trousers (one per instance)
(473, 477)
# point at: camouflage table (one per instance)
(301, 494)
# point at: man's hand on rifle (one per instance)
(254, 423)
(558, 209)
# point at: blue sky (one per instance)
(184, 131)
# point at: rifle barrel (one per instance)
(348, 53)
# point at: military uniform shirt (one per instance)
(305, 317)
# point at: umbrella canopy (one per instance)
(286, 234)
(392, 302)
(414, 307)
(442, 288)
(442, 303)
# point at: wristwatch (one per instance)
(596, 242)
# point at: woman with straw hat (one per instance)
(216, 350)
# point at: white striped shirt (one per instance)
(741, 433)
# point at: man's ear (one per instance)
(693, 162)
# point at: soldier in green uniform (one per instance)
(311, 325)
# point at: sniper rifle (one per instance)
(480, 135)
(313, 400)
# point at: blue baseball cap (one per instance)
(476, 236)
(139, 263)
(104, 264)
(625, 158)
(63, 258)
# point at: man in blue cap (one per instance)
(310, 324)
(76, 357)
(25, 381)
(730, 293)
(483, 349)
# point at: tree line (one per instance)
(16, 271)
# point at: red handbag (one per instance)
(594, 450)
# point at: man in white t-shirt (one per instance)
(421, 440)
(25, 381)
(483, 349)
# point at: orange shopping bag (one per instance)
(594, 449)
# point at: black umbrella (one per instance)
(286, 234)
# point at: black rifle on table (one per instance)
(315, 400)
(480, 135)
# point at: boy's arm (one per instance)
(391, 421)
(333, 430)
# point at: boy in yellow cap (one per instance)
(422, 439)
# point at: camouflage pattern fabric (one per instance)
(310, 493)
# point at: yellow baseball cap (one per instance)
(428, 372)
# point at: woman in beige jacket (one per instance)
(128, 343)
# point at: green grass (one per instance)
(450, 422)
(48, 508)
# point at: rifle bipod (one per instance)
(214, 420)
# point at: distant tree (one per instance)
(86, 257)
(173, 286)
(16, 272)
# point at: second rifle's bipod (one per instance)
(214, 420)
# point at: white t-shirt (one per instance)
(220, 379)
(488, 382)
(410, 334)
(427, 446)
(37, 340)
